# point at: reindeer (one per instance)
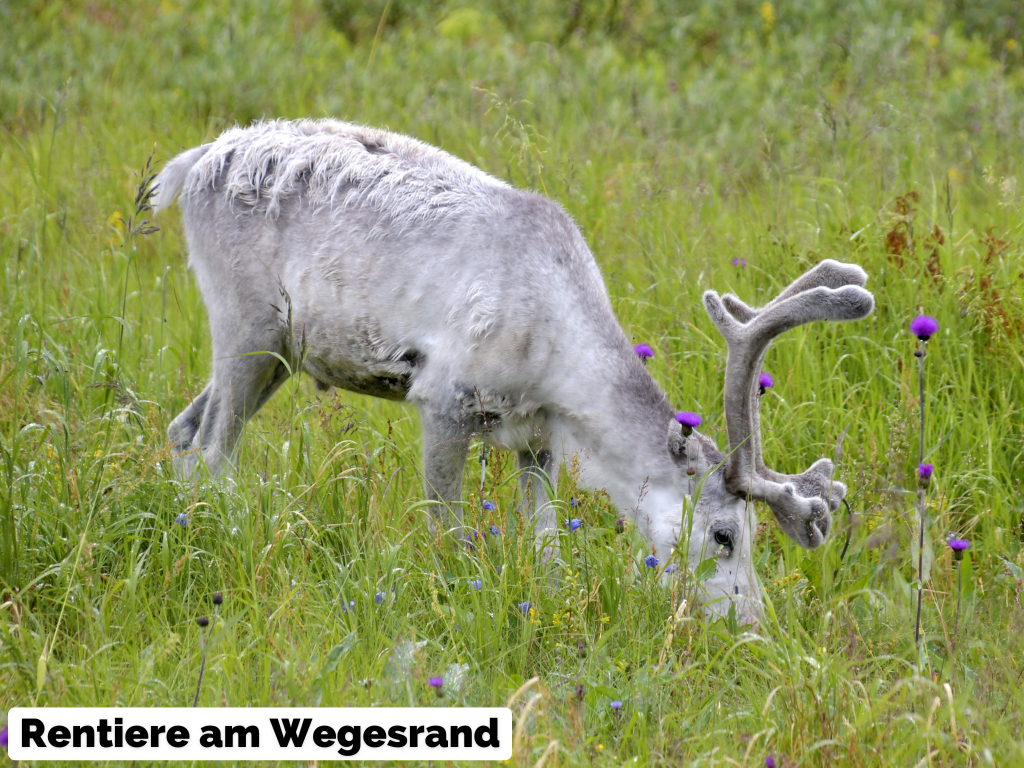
(385, 266)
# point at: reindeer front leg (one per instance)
(445, 447)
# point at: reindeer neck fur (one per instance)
(612, 415)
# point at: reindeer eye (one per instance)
(724, 539)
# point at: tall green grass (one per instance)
(780, 143)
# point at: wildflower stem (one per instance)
(956, 621)
(203, 647)
(921, 507)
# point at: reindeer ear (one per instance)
(676, 442)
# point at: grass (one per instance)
(853, 131)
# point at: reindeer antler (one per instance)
(830, 291)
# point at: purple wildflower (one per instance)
(436, 683)
(525, 607)
(688, 419)
(958, 546)
(924, 327)
(379, 598)
(616, 705)
(490, 506)
(182, 519)
(495, 530)
(643, 351)
(574, 524)
(769, 762)
(3, 736)
(651, 561)
(350, 604)
(671, 568)
(739, 262)
(574, 502)
(924, 473)
(476, 584)
(765, 381)
(620, 526)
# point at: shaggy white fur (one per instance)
(382, 265)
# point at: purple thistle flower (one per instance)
(620, 526)
(688, 419)
(525, 607)
(182, 519)
(495, 530)
(3, 736)
(739, 262)
(958, 546)
(616, 705)
(476, 584)
(765, 381)
(644, 351)
(769, 762)
(924, 473)
(574, 524)
(436, 683)
(924, 327)
(490, 506)
(651, 561)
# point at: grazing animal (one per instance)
(385, 266)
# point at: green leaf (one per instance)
(1012, 568)
(706, 569)
(338, 651)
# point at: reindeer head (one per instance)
(723, 520)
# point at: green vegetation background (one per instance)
(680, 135)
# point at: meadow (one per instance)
(698, 144)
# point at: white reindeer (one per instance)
(385, 266)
